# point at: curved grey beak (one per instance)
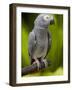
(52, 22)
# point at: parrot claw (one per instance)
(45, 62)
(38, 64)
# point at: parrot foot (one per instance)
(45, 62)
(38, 64)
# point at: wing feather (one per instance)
(32, 43)
(49, 42)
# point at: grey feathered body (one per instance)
(38, 43)
(40, 39)
(42, 43)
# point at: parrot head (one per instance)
(43, 20)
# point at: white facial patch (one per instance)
(46, 17)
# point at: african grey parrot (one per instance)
(39, 41)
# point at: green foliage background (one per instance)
(56, 53)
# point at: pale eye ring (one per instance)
(46, 17)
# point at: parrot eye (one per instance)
(46, 17)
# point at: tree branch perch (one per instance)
(33, 68)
